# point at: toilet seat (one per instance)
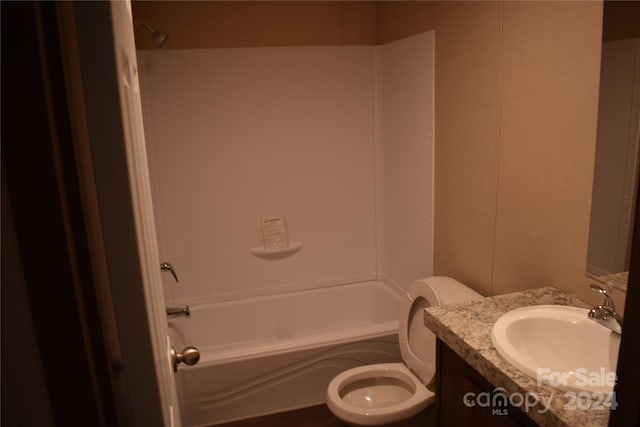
(416, 345)
(384, 378)
(400, 390)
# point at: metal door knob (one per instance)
(189, 356)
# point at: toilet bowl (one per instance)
(391, 392)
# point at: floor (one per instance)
(314, 416)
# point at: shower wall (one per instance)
(239, 135)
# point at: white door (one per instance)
(127, 68)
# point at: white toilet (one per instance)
(391, 392)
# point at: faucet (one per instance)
(605, 314)
(178, 311)
(165, 266)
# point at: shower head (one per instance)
(159, 37)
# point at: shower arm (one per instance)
(159, 37)
(147, 26)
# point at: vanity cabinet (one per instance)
(456, 381)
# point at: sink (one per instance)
(560, 346)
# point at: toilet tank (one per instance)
(445, 290)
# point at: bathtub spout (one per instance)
(178, 311)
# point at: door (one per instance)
(126, 65)
(143, 208)
(143, 373)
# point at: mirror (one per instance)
(616, 164)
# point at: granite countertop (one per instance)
(466, 329)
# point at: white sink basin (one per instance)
(560, 346)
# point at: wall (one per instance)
(550, 81)
(406, 135)
(208, 24)
(239, 135)
(516, 101)
(338, 140)
(467, 59)
(516, 107)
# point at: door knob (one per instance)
(189, 356)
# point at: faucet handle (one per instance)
(608, 301)
(165, 266)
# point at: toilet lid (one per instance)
(417, 342)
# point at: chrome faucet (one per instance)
(178, 311)
(605, 314)
(165, 266)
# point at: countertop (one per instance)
(466, 329)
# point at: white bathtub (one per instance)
(276, 353)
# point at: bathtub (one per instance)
(277, 353)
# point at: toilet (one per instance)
(389, 393)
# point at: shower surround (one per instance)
(338, 140)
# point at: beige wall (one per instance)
(208, 24)
(516, 107)
(550, 81)
(467, 115)
(516, 111)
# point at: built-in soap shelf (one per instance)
(263, 252)
(276, 240)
